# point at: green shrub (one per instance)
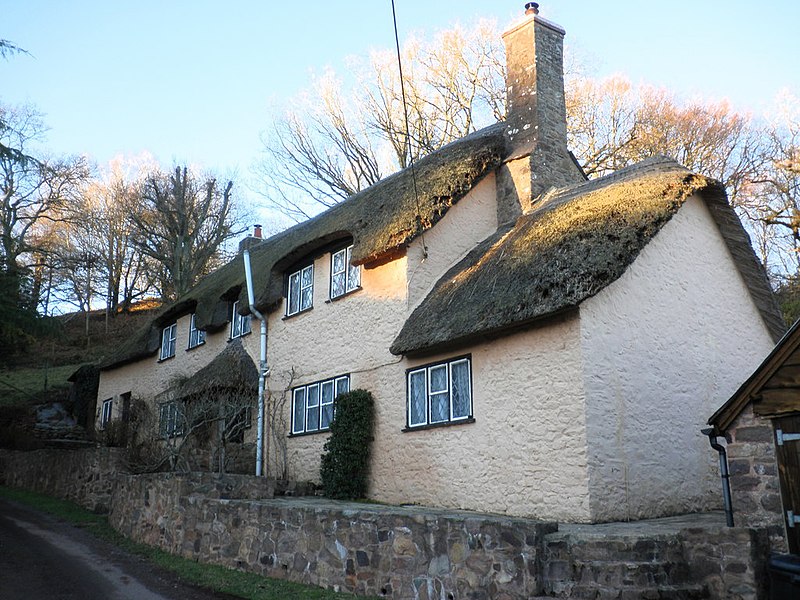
(345, 462)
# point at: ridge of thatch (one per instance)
(233, 368)
(381, 221)
(572, 244)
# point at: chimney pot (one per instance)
(257, 231)
(531, 8)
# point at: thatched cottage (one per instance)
(537, 344)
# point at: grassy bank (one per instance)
(29, 385)
(244, 585)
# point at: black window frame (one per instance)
(197, 337)
(429, 421)
(240, 324)
(172, 344)
(348, 269)
(320, 428)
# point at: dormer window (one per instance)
(196, 336)
(345, 277)
(168, 337)
(301, 291)
(240, 324)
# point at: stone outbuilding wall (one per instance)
(755, 485)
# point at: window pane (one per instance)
(305, 298)
(460, 386)
(353, 278)
(245, 324)
(312, 410)
(342, 385)
(417, 398)
(439, 407)
(438, 379)
(327, 416)
(338, 262)
(294, 293)
(298, 421)
(307, 275)
(337, 285)
(327, 405)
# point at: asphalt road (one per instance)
(42, 558)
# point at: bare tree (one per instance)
(202, 431)
(32, 192)
(182, 225)
(334, 144)
(777, 185)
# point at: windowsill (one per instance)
(337, 298)
(305, 433)
(161, 360)
(437, 425)
(190, 348)
(297, 314)
(230, 339)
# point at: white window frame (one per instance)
(312, 400)
(170, 419)
(351, 273)
(105, 412)
(197, 337)
(169, 337)
(296, 283)
(412, 379)
(240, 324)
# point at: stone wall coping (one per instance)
(648, 528)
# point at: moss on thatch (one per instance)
(380, 220)
(575, 242)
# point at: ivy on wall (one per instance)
(345, 461)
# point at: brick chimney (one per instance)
(536, 122)
(251, 240)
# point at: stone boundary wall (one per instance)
(374, 550)
(397, 552)
(86, 476)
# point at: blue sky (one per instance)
(197, 81)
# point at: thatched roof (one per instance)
(233, 368)
(381, 220)
(575, 242)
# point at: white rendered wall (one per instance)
(352, 334)
(664, 346)
(470, 221)
(524, 455)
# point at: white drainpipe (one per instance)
(263, 370)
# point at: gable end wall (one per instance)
(663, 345)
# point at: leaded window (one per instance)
(439, 393)
(169, 336)
(240, 324)
(345, 277)
(196, 336)
(313, 404)
(301, 291)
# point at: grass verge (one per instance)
(220, 579)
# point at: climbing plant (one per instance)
(345, 462)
